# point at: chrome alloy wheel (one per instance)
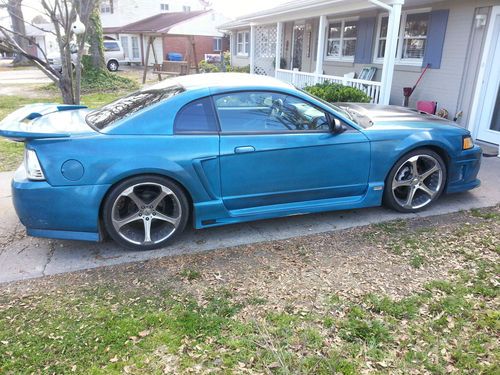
(417, 181)
(146, 213)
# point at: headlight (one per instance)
(32, 165)
(467, 142)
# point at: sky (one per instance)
(230, 8)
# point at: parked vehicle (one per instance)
(224, 148)
(113, 56)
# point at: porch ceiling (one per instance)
(301, 9)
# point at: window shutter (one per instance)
(364, 42)
(435, 38)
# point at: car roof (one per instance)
(222, 80)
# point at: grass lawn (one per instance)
(11, 153)
(405, 297)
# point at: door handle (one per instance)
(244, 149)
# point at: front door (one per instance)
(297, 45)
(277, 148)
(488, 108)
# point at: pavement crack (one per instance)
(52, 249)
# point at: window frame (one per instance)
(164, 7)
(105, 7)
(340, 39)
(218, 44)
(328, 114)
(186, 8)
(401, 38)
(245, 43)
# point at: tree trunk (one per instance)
(16, 15)
(95, 38)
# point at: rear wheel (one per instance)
(145, 212)
(416, 181)
(113, 65)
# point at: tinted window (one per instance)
(111, 46)
(268, 112)
(128, 105)
(197, 116)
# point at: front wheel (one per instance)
(416, 181)
(145, 212)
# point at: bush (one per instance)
(100, 80)
(335, 92)
(206, 67)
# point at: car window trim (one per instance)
(198, 132)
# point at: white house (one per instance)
(314, 41)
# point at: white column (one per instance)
(252, 48)
(390, 51)
(321, 47)
(279, 38)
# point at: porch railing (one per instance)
(303, 79)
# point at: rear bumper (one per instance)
(463, 170)
(66, 212)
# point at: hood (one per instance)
(374, 115)
(45, 121)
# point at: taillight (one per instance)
(32, 165)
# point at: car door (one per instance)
(277, 148)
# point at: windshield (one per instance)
(336, 108)
(128, 105)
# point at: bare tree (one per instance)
(17, 19)
(66, 17)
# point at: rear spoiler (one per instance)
(21, 126)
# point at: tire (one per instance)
(145, 204)
(407, 191)
(113, 65)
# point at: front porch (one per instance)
(295, 44)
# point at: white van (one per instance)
(113, 56)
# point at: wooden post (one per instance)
(146, 60)
(193, 49)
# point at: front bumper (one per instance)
(463, 170)
(66, 212)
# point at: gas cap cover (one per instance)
(72, 170)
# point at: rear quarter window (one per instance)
(196, 117)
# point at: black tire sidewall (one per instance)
(389, 198)
(120, 187)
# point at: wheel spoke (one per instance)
(137, 201)
(414, 168)
(397, 184)
(427, 190)
(409, 198)
(172, 220)
(129, 219)
(426, 174)
(147, 231)
(158, 199)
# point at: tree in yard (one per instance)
(16, 16)
(73, 22)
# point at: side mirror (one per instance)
(336, 126)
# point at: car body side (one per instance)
(63, 208)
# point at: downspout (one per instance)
(390, 47)
(252, 48)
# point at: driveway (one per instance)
(17, 81)
(23, 257)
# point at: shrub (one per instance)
(206, 67)
(335, 92)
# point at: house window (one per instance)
(341, 42)
(135, 47)
(412, 37)
(243, 43)
(217, 44)
(186, 8)
(164, 7)
(106, 6)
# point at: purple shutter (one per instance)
(436, 32)
(364, 42)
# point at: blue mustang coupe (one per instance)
(224, 148)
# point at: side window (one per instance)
(256, 112)
(197, 116)
(111, 46)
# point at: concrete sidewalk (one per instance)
(24, 257)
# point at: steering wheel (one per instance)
(317, 125)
